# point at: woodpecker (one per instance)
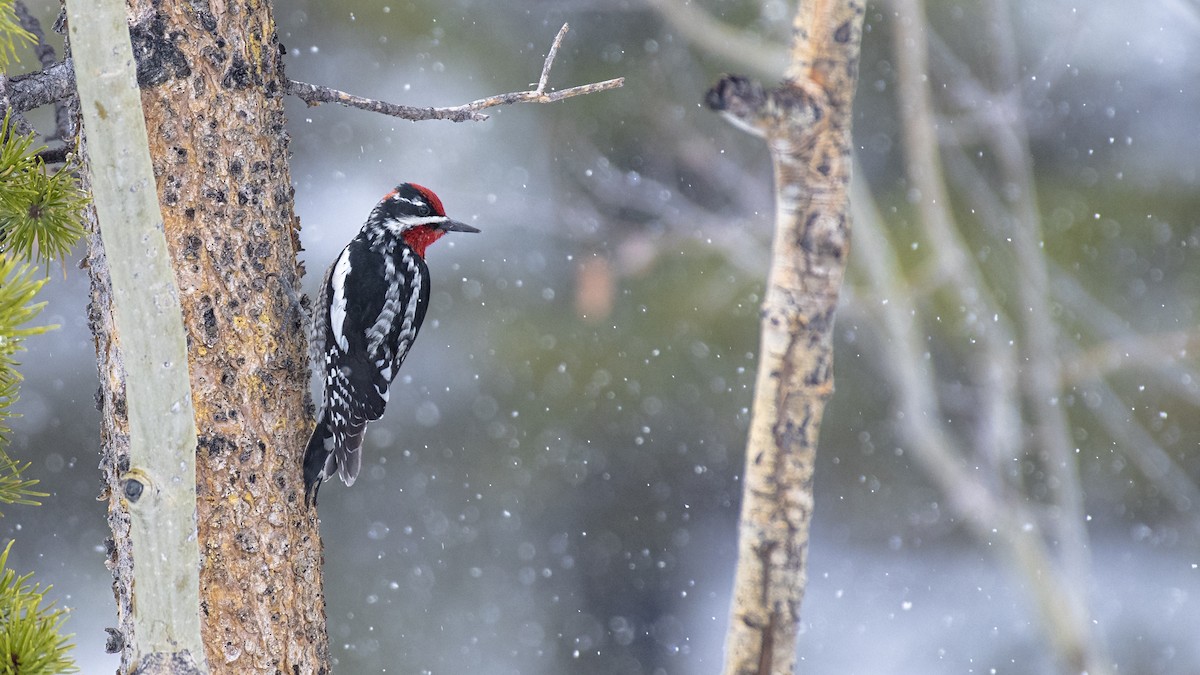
(371, 306)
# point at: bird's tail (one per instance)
(335, 446)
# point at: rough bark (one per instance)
(806, 122)
(211, 83)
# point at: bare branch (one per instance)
(1039, 379)
(56, 155)
(63, 120)
(57, 83)
(313, 94)
(534, 96)
(51, 85)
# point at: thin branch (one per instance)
(1003, 520)
(1146, 350)
(1133, 440)
(51, 85)
(1039, 379)
(57, 83)
(952, 266)
(45, 53)
(1171, 373)
(313, 94)
(742, 48)
(57, 155)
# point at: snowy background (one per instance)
(555, 486)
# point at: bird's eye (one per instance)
(423, 209)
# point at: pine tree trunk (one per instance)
(211, 82)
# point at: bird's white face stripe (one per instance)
(402, 224)
(422, 220)
(337, 305)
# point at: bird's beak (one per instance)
(456, 226)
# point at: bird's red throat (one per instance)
(420, 237)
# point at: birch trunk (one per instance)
(806, 123)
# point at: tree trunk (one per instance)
(806, 123)
(212, 86)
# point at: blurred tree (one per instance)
(987, 328)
